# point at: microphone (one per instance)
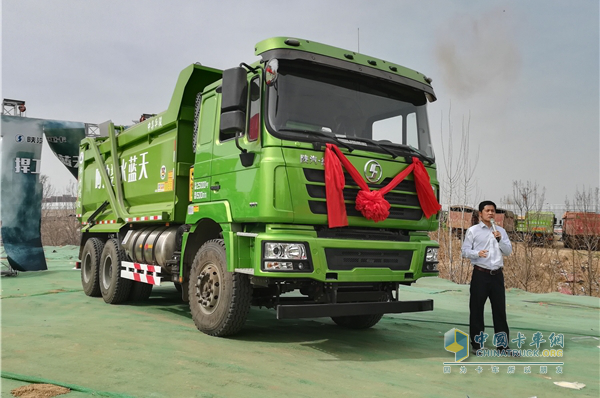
(493, 222)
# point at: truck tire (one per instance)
(357, 321)
(140, 291)
(219, 300)
(114, 289)
(90, 262)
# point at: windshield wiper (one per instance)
(408, 148)
(375, 143)
(386, 147)
(320, 134)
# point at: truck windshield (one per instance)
(306, 100)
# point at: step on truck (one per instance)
(304, 182)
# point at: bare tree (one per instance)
(582, 232)
(59, 225)
(523, 264)
(457, 186)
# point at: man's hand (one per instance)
(483, 253)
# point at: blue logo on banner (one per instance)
(457, 341)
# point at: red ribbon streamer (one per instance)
(371, 204)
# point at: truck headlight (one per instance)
(430, 264)
(286, 256)
(286, 251)
(431, 254)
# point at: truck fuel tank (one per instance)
(151, 245)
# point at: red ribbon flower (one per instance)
(371, 204)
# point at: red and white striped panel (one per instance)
(141, 272)
(144, 218)
(100, 222)
(129, 219)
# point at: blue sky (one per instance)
(525, 74)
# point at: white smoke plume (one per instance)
(479, 55)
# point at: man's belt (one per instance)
(488, 271)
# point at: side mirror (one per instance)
(234, 99)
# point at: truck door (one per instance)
(204, 148)
(231, 180)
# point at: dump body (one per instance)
(581, 230)
(153, 163)
(462, 218)
(230, 182)
(505, 219)
(540, 222)
(537, 226)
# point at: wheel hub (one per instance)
(107, 274)
(87, 268)
(208, 288)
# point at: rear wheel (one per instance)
(114, 289)
(219, 300)
(357, 321)
(140, 291)
(178, 287)
(90, 262)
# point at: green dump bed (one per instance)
(540, 222)
(150, 178)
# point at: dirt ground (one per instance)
(53, 333)
(39, 391)
(536, 269)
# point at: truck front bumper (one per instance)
(295, 311)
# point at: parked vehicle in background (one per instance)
(505, 219)
(558, 230)
(539, 226)
(460, 218)
(581, 230)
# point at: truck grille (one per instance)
(348, 259)
(396, 198)
(393, 235)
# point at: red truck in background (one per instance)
(505, 219)
(460, 218)
(581, 230)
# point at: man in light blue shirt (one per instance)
(485, 245)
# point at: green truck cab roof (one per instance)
(292, 48)
(195, 78)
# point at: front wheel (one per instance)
(219, 300)
(357, 321)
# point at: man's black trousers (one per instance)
(484, 285)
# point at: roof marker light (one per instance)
(292, 42)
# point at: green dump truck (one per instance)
(237, 192)
(536, 227)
